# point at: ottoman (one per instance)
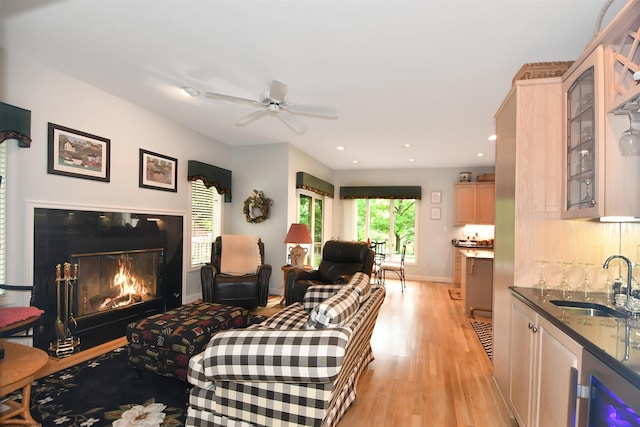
(164, 343)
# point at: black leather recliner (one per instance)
(340, 260)
(248, 291)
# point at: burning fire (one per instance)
(130, 289)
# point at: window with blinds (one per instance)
(3, 213)
(206, 221)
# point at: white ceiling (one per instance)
(427, 73)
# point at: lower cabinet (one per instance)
(540, 365)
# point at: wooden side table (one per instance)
(286, 269)
(17, 370)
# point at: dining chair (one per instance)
(396, 267)
(380, 255)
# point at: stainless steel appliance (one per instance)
(609, 399)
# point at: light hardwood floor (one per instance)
(429, 369)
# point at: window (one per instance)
(390, 220)
(3, 213)
(206, 221)
(311, 212)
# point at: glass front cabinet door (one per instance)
(584, 110)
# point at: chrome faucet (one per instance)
(629, 271)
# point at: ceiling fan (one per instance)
(274, 101)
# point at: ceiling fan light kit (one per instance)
(274, 101)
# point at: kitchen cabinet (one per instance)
(540, 363)
(457, 267)
(474, 203)
(599, 91)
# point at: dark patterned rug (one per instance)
(485, 335)
(105, 391)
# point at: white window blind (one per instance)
(206, 221)
(3, 212)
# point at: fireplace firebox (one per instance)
(128, 266)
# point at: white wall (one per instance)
(434, 254)
(57, 98)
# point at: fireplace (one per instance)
(126, 265)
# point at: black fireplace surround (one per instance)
(62, 235)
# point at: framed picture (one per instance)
(436, 196)
(78, 154)
(158, 172)
(435, 213)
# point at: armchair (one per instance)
(18, 321)
(247, 290)
(340, 260)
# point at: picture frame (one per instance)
(436, 197)
(436, 213)
(78, 154)
(158, 172)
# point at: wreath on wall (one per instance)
(256, 207)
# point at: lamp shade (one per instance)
(298, 233)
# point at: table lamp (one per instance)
(298, 233)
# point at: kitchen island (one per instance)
(477, 280)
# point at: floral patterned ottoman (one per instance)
(164, 343)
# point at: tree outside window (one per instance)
(390, 220)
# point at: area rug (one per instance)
(105, 391)
(484, 331)
(454, 294)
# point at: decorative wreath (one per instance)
(254, 203)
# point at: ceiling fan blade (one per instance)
(316, 110)
(251, 117)
(296, 125)
(231, 98)
(277, 90)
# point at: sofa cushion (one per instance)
(292, 317)
(360, 283)
(334, 311)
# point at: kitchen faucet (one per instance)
(629, 271)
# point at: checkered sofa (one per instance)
(298, 368)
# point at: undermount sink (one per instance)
(582, 308)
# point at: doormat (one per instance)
(484, 331)
(454, 294)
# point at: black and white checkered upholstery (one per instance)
(335, 310)
(279, 373)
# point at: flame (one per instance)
(131, 289)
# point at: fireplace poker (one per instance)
(59, 327)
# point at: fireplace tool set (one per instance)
(66, 344)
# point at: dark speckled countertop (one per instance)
(607, 338)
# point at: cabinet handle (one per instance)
(533, 327)
(530, 325)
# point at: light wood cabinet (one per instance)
(540, 365)
(599, 90)
(474, 203)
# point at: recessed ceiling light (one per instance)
(492, 137)
(480, 154)
(189, 91)
(412, 160)
(340, 148)
(355, 161)
(406, 145)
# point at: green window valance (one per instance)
(15, 123)
(311, 183)
(212, 176)
(381, 192)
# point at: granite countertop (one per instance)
(607, 338)
(478, 253)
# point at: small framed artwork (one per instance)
(435, 213)
(78, 154)
(436, 196)
(158, 172)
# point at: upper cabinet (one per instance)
(599, 88)
(584, 138)
(474, 203)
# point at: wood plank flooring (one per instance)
(429, 369)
